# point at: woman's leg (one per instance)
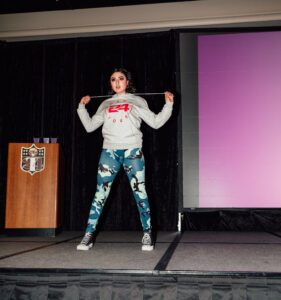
(135, 170)
(109, 165)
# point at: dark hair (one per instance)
(130, 88)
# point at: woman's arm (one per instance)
(156, 120)
(89, 123)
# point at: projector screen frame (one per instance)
(193, 94)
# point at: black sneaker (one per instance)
(147, 243)
(87, 242)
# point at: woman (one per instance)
(121, 117)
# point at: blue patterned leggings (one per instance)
(109, 165)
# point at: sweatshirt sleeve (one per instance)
(154, 120)
(89, 123)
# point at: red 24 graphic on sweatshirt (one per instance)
(117, 108)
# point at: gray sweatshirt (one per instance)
(121, 118)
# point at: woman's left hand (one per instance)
(169, 97)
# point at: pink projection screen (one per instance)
(239, 120)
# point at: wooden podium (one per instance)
(33, 204)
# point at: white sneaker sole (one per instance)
(84, 247)
(147, 248)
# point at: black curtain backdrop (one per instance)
(42, 83)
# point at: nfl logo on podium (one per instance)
(32, 159)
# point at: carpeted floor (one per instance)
(191, 251)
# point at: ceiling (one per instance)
(20, 6)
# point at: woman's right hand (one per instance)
(85, 100)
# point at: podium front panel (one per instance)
(32, 186)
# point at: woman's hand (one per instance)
(85, 100)
(169, 97)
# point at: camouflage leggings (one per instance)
(109, 165)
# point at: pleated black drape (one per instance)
(42, 84)
(21, 106)
(126, 286)
(150, 59)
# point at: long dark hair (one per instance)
(130, 88)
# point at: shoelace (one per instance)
(146, 239)
(86, 239)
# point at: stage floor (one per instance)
(188, 252)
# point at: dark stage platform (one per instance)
(191, 265)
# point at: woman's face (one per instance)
(119, 83)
